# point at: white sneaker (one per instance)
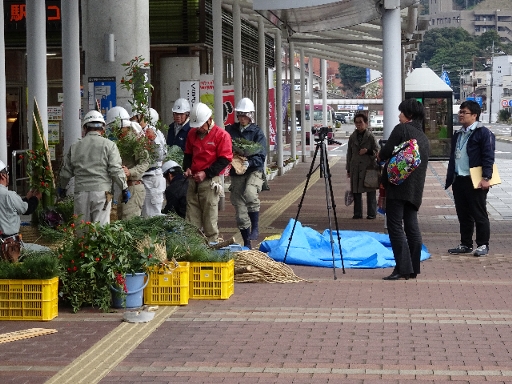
(482, 250)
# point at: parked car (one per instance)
(342, 117)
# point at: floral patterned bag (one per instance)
(405, 159)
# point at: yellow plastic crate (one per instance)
(29, 299)
(166, 288)
(210, 281)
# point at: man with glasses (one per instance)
(178, 130)
(472, 146)
(11, 207)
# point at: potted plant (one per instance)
(94, 258)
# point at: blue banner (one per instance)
(445, 78)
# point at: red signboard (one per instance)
(271, 116)
(18, 12)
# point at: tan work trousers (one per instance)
(203, 207)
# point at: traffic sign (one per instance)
(504, 103)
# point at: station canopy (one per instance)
(345, 31)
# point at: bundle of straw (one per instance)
(254, 266)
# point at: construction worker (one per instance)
(11, 207)
(153, 181)
(176, 191)
(134, 165)
(95, 163)
(246, 182)
(207, 153)
(178, 130)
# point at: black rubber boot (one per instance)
(255, 217)
(245, 237)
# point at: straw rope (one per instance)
(254, 266)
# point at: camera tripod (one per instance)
(325, 173)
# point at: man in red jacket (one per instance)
(208, 151)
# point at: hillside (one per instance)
(494, 4)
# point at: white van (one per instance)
(377, 121)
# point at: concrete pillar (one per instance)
(121, 23)
(173, 70)
(311, 106)
(217, 61)
(36, 64)
(293, 125)
(302, 105)
(391, 68)
(71, 73)
(237, 51)
(262, 105)
(323, 68)
(3, 96)
(279, 100)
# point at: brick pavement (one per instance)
(453, 323)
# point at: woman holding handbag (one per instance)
(361, 152)
(403, 201)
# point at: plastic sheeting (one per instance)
(360, 249)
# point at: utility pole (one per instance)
(492, 75)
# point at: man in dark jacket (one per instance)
(472, 146)
(176, 192)
(178, 130)
(246, 183)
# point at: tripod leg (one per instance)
(312, 170)
(324, 169)
(328, 171)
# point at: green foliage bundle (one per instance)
(136, 80)
(175, 153)
(128, 143)
(245, 147)
(182, 240)
(40, 265)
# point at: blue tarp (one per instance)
(360, 249)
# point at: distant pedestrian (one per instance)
(246, 186)
(179, 129)
(472, 146)
(362, 150)
(207, 153)
(403, 201)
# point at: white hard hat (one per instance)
(93, 119)
(2, 166)
(199, 115)
(135, 127)
(117, 113)
(245, 105)
(170, 166)
(153, 116)
(181, 106)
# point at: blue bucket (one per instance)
(134, 297)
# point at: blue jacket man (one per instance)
(472, 146)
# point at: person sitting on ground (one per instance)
(176, 191)
(11, 207)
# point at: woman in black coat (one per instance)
(403, 201)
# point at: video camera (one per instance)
(322, 133)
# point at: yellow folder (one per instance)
(476, 176)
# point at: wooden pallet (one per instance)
(25, 334)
